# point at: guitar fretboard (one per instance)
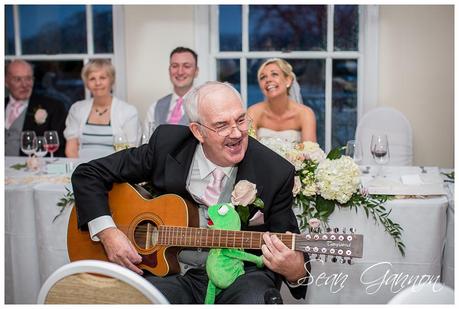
(207, 238)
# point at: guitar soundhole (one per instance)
(146, 234)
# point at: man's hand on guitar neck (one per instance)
(119, 249)
(281, 259)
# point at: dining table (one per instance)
(36, 241)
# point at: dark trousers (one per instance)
(191, 288)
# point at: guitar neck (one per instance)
(208, 238)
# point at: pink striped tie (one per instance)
(176, 114)
(14, 112)
(214, 188)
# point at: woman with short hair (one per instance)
(91, 124)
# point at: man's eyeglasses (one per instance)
(18, 79)
(242, 125)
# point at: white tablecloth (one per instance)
(35, 246)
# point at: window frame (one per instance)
(207, 37)
(117, 57)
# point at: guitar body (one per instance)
(137, 217)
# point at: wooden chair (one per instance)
(81, 283)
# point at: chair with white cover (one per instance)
(389, 121)
(429, 293)
(81, 283)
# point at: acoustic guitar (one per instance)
(161, 226)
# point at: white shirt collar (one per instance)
(206, 167)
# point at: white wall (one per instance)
(416, 66)
(416, 61)
(152, 32)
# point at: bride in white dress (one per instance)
(280, 116)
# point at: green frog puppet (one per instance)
(225, 265)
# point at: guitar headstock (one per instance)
(332, 243)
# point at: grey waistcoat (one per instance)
(162, 109)
(13, 136)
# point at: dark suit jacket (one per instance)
(166, 160)
(55, 120)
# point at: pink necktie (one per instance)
(177, 112)
(214, 188)
(15, 111)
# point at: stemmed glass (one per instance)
(52, 142)
(41, 150)
(28, 142)
(120, 141)
(354, 150)
(148, 132)
(379, 149)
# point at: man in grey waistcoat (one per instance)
(183, 69)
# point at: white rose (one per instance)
(244, 193)
(33, 164)
(40, 116)
(314, 223)
(296, 185)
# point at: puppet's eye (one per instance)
(223, 210)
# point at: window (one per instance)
(58, 40)
(327, 45)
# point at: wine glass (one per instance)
(379, 149)
(41, 150)
(354, 150)
(120, 141)
(51, 142)
(146, 134)
(28, 142)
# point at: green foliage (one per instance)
(67, 199)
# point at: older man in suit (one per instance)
(190, 161)
(26, 111)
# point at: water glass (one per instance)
(354, 150)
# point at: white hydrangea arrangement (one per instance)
(325, 181)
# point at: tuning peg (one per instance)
(334, 259)
(344, 230)
(350, 261)
(318, 257)
(342, 260)
(336, 230)
(326, 258)
(328, 229)
(352, 230)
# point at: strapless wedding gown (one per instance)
(287, 135)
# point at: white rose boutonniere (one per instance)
(40, 116)
(244, 194)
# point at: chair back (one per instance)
(430, 293)
(389, 121)
(98, 282)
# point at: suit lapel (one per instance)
(247, 172)
(178, 166)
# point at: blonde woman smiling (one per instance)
(278, 115)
